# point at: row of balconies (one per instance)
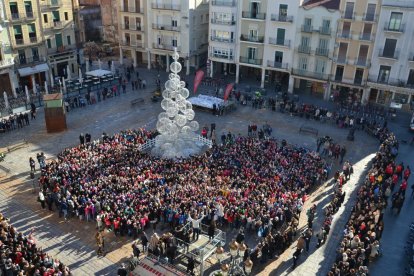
(132, 9)
(352, 36)
(390, 81)
(322, 30)
(223, 3)
(165, 27)
(140, 44)
(127, 27)
(18, 17)
(165, 6)
(20, 42)
(254, 39)
(367, 17)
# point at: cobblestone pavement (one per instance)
(112, 115)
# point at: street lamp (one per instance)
(220, 253)
(248, 265)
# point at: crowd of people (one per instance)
(251, 183)
(364, 228)
(19, 254)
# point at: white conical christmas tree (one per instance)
(175, 125)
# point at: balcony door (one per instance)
(254, 9)
(384, 74)
(253, 34)
(278, 58)
(251, 53)
(349, 10)
(363, 54)
(59, 41)
(280, 37)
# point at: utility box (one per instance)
(55, 115)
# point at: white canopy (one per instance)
(98, 73)
(26, 71)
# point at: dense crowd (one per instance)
(19, 254)
(250, 182)
(364, 228)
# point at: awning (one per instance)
(33, 70)
(98, 73)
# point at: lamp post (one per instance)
(236, 266)
(220, 253)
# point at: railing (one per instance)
(362, 62)
(222, 22)
(132, 44)
(29, 60)
(325, 31)
(132, 9)
(52, 4)
(322, 52)
(227, 57)
(393, 55)
(61, 49)
(309, 74)
(305, 49)
(165, 27)
(342, 60)
(370, 17)
(19, 41)
(307, 28)
(396, 29)
(22, 16)
(132, 27)
(33, 39)
(165, 47)
(6, 62)
(344, 35)
(253, 61)
(281, 18)
(280, 42)
(280, 65)
(197, 138)
(254, 15)
(348, 15)
(257, 39)
(388, 81)
(221, 39)
(230, 3)
(163, 6)
(366, 37)
(58, 25)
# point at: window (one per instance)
(68, 40)
(58, 40)
(174, 23)
(370, 16)
(55, 16)
(223, 53)
(410, 81)
(303, 63)
(32, 32)
(45, 18)
(308, 21)
(320, 66)
(389, 48)
(174, 42)
(28, 8)
(359, 74)
(18, 36)
(14, 11)
(349, 10)
(305, 41)
(278, 57)
(202, 19)
(384, 74)
(49, 43)
(253, 34)
(395, 21)
(326, 24)
(35, 54)
(22, 56)
(283, 10)
(323, 43)
(339, 73)
(66, 16)
(251, 53)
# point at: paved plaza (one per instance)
(73, 242)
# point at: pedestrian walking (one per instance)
(100, 242)
(32, 164)
(308, 237)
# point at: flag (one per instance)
(197, 80)
(229, 88)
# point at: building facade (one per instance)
(354, 45)
(314, 47)
(253, 38)
(149, 32)
(110, 13)
(8, 77)
(42, 40)
(391, 76)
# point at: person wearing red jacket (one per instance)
(407, 173)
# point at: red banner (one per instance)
(197, 80)
(229, 88)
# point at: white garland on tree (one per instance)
(175, 125)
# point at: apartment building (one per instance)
(151, 30)
(252, 38)
(42, 39)
(314, 47)
(391, 76)
(353, 49)
(7, 74)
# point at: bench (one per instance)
(307, 129)
(137, 101)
